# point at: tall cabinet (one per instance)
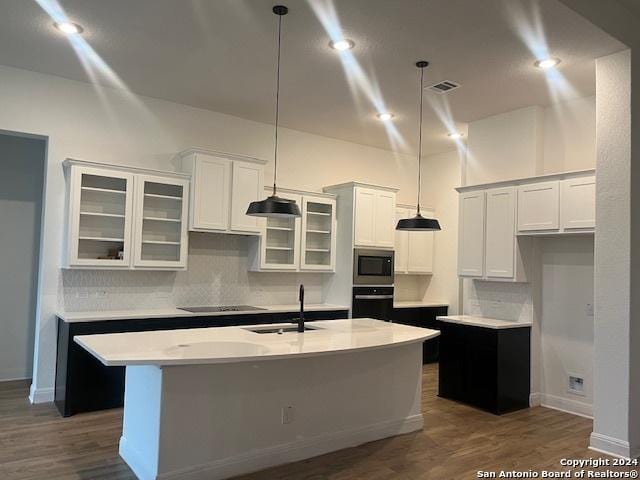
(125, 218)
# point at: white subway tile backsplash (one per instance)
(217, 274)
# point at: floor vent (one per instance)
(444, 86)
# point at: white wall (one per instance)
(21, 183)
(148, 132)
(570, 136)
(566, 326)
(505, 146)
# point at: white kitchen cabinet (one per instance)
(578, 203)
(374, 218)
(413, 250)
(365, 217)
(471, 234)
(222, 187)
(210, 194)
(401, 248)
(500, 232)
(488, 246)
(307, 243)
(247, 186)
(318, 242)
(160, 233)
(100, 216)
(125, 218)
(539, 207)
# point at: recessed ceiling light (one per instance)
(341, 45)
(69, 28)
(385, 116)
(455, 135)
(546, 63)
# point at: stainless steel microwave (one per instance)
(372, 267)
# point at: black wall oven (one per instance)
(372, 267)
(372, 302)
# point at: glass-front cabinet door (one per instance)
(280, 240)
(100, 213)
(161, 210)
(318, 234)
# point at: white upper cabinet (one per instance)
(365, 218)
(125, 218)
(247, 186)
(223, 186)
(578, 201)
(100, 216)
(500, 230)
(280, 240)
(401, 257)
(497, 221)
(539, 207)
(318, 247)
(413, 250)
(210, 196)
(374, 217)
(160, 234)
(307, 243)
(471, 234)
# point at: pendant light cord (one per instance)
(420, 138)
(275, 150)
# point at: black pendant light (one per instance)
(419, 223)
(274, 206)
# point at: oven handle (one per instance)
(373, 297)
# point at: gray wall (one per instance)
(21, 184)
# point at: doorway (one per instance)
(22, 162)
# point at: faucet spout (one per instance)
(301, 317)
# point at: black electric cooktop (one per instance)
(225, 308)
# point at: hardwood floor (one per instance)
(457, 441)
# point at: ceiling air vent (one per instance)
(443, 87)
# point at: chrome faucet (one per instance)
(301, 317)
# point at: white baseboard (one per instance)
(278, 454)
(562, 404)
(612, 446)
(567, 405)
(41, 395)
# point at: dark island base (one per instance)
(83, 384)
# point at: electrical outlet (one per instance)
(576, 385)
(83, 294)
(590, 309)
(287, 415)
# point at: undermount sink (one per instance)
(231, 349)
(278, 330)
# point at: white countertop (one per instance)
(99, 316)
(418, 304)
(238, 344)
(483, 322)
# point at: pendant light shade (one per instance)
(274, 206)
(419, 223)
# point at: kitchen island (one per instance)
(217, 402)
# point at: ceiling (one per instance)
(220, 55)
